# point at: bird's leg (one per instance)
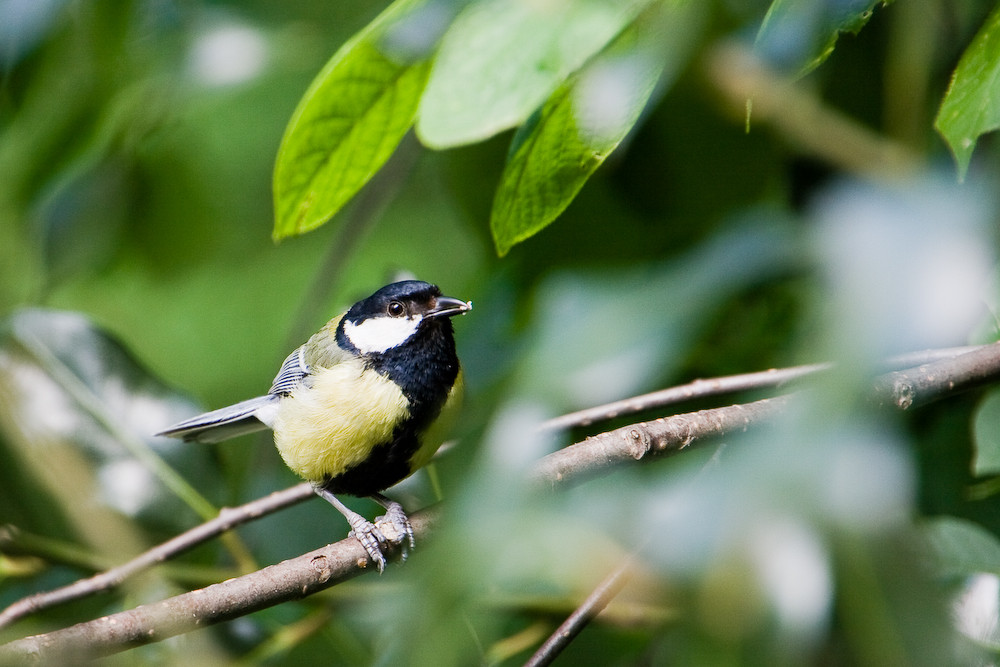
(395, 516)
(361, 528)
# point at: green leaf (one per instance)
(971, 107)
(962, 547)
(986, 435)
(501, 59)
(799, 35)
(348, 123)
(554, 154)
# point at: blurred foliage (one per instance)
(768, 189)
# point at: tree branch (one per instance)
(635, 442)
(581, 616)
(802, 118)
(227, 519)
(322, 568)
(288, 580)
(773, 378)
(931, 381)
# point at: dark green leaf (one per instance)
(348, 123)
(554, 154)
(971, 107)
(798, 35)
(502, 58)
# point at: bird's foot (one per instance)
(395, 525)
(371, 538)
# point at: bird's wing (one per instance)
(246, 416)
(320, 351)
(224, 423)
(294, 370)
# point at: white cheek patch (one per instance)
(380, 334)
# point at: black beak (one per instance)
(446, 306)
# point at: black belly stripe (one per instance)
(386, 465)
(425, 374)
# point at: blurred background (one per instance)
(139, 284)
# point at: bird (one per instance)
(356, 408)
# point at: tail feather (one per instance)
(224, 423)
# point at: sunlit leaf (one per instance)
(502, 58)
(971, 107)
(347, 124)
(799, 35)
(555, 152)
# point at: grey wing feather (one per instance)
(246, 416)
(292, 373)
(224, 423)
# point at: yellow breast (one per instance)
(322, 430)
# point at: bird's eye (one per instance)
(396, 309)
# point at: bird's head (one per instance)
(393, 315)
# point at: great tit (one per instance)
(352, 408)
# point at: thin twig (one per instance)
(582, 615)
(774, 378)
(599, 599)
(228, 518)
(769, 379)
(667, 435)
(930, 381)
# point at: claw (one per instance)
(367, 533)
(402, 531)
(369, 536)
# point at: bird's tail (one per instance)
(224, 423)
